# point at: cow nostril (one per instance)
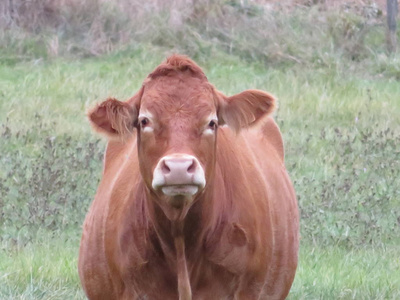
(192, 167)
(165, 169)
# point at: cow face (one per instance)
(176, 114)
(177, 131)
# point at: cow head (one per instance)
(176, 114)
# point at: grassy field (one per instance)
(47, 270)
(342, 135)
(339, 112)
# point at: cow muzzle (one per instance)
(178, 175)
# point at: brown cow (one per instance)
(195, 201)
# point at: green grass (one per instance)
(337, 273)
(47, 270)
(342, 136)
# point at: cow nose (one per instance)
(177, 171)
(178, 166)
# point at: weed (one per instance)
(42, 186)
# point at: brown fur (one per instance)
(237, 239)
(113, 118)
(177, 64)
(245, 108)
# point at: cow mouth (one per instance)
(185, 190)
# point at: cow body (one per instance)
(233, 237)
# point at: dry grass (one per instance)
(286, 33)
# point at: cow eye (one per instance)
(144, 122)
(212, 124)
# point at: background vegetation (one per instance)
(339, 112)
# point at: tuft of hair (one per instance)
(177, 63)
(113, 118)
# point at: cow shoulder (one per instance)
(117, 151)
(270, 131)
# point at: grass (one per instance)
(284, 33)
(47, 270)
(342, 136)
(337, 273)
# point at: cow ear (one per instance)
(116, 119)
(244, 109)
(113, 118)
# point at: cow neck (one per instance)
(173, 241)
(174, 253)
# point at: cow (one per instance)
(195, 201)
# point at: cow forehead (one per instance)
(168, 96)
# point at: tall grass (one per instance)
(339, 38)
